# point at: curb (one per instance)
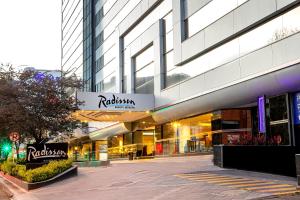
(6, 190)
(279, 195)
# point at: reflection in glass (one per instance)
(169, 41)
(144, 71)
(144, 75)
(169, 60)
(147, 88)
(109, 82)
(174, 76)
(126, 69)
(106, 70)
(144, 58)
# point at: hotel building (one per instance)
(201, 66)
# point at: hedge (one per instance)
(45, 172)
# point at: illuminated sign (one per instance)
(262, 114)
(49, 151)
(296, 109)
(115, 101)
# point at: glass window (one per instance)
(106, 71)
(169, 60)
(144, 75)
(109, 82)
(279, 123)
(185, 136)
(278, 108)
(144, 71)
(169, 41)
(126, 69)
(144, 58)
(147, 88)
(174, 76)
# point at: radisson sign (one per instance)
(115, 101)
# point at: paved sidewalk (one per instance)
(3, 194)
(159, 179)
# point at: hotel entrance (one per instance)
(140, 143)
(122, 121)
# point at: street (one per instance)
(191, 177)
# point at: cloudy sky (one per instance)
(30, 33)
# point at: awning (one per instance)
(112, 130)
(113, 107)
(281, 81)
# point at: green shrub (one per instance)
(45, 172)
(21, 161)
(7, 167)
(19, 171)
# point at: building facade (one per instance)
(206, 62)
(72, 38)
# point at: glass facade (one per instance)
(277, 123)
(139, 143)
(159, 12)
(144, 72)
(72, 33)
(88, 45)
(184, 136)
(168, 50)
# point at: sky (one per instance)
(30, 33)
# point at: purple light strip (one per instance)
(262, 114)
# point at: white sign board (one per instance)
(115, 101)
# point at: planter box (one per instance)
(29, 186)
(270, 159)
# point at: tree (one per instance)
(37, 105)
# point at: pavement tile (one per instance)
(162, 178)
